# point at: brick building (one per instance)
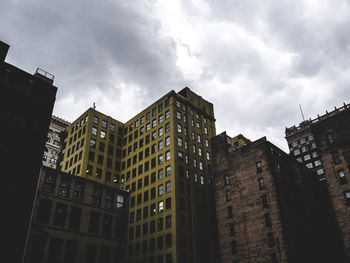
(77, 220)
(323, 145)
(269, 207)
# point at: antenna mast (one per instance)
(301, 110)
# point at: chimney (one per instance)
(4, 48)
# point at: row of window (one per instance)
(302, 141)
(151, 194)
(150, 210)
(64, 190)
(73, 160)
(151, 247)
(150, 228)
(72, 219)
(75, 147)
(67, 250)
(98, 173)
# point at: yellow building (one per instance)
(165, 163)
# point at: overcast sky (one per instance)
(256, 61)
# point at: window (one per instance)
(167, 141)
(78, 191)
(347, 197)
(264, 201)
(208, 156)
(168, 240)
(167, 170)
(231, 229)
(154, 123)
(314, 154)
(160, 132)
(49, 184)
(104, 124)
(167, 155)
(160, 190)
(307, 157)
(271, 239)
(319, 172)
(341, 176)
(167, 127)
(178, 104)
(179, 128)
(226, 180)
(160, 159)
(142, 119)
(304, 148)
(233, 247)
(160, 119)
(267, 220)
(296, 152)
(309, 165)
(160, 224)
(229, 212)
(199, 151)
(103, 134)
(64, 187)
(60, 214)
(154, 135)
(335, 157)
(206, 142)
(96, 196)
(228, 195)
(179, 115)
(160, 174)
(261, 183)
(94, 131)
(160, 206)
(148, 126)
(168, 221)
(168, 187)
(95, 120)
(330, 138)
(167, 114)
(112, 127)
(294, 144)
(179, 141)
(94, 222)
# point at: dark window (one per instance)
(132, 217)
(60, 214)
(107, 225)
(168, 240)
(144, 246)
(233, 247)
(145, 196)
(264, 201)
(145, 212)
(267, 220)
(64, 187)
(160, 224)
(160, 242)
(271, 239)
(105, 254)
(168, 221)
(78, 191)
(44, 211)
(55, 249)
(330, 138)
(49, 183)
(96, 196)
(153, 209)
(335, 157)
(168, 203)
(74, 220)
(146, 180)
(152, 227)
(228, 195)
(138, 214)
(273, 258)
(91, 253)
(131, 233)
(145, 229)
(232, 229)
(91, 156)
(109, 196)
(226, 180)
(152, 244)
(229, 212)
(70, 251)
(94, 222)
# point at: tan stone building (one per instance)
(53, 142)
(77, 220)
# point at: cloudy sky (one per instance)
(256, 61)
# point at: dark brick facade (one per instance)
(267, 206)
(77, 220)
(332, 137)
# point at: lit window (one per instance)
(309, 165)
(304, 149)
(303, 140)
(317, 163)
(160, 206)
(200, 165)
(160, 174)
(160, 159)
(206, 130)
(335, 157)
(179, 128)
(167, 171)
(167, 155)
(342, 178)
(347, 197)
(226, 180)
(112, 128)
(154, 135)
(307, 157)
(160, 132)
(94, 131)
(103, 134)
(199, 151)
(202, 179)
(160, 190)
(294, 144)
(208, 156)
(178, 115)
(167, 141)
(296, 152)
(92, 143)
(148, 126)
(167, 114)
(314, 154)
(194, 163)
(160, 119)
(154, 123)
(319, 172)
(167, 127)
(194, 148)
(261, 183)
(95, 120)
(104, 124)
(179, 142)
(206, 142)
(199, 138)
(195, 178)
(198, 125)
(330, 138)
(178, 104)
(313, 145)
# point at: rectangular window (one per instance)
(335, 157)
(60, 215)
(160, 190)
(330, 138)
(271, 239)
(94, 222)
(160, 206)
(267, 220)
(261, 183)
(228, 195)
(231, 229)
(168, 186)
(258, 167)
(347, 197)
(229, 212)
(341, 176)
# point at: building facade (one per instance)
(53, 143)
(323, 145)
(26, 103)
(163, 157)
(77, 220)
(268, 207)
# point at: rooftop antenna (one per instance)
(94, 105)
(301, 110)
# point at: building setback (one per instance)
(323, 145)
(77, 220)
(163, 157)
(26, 103)
(53, 142)
(269, 207)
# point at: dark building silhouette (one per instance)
(270, 208)
(26, 103)
(323, 145)
(77, 220)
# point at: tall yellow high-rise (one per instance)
(163, 157)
